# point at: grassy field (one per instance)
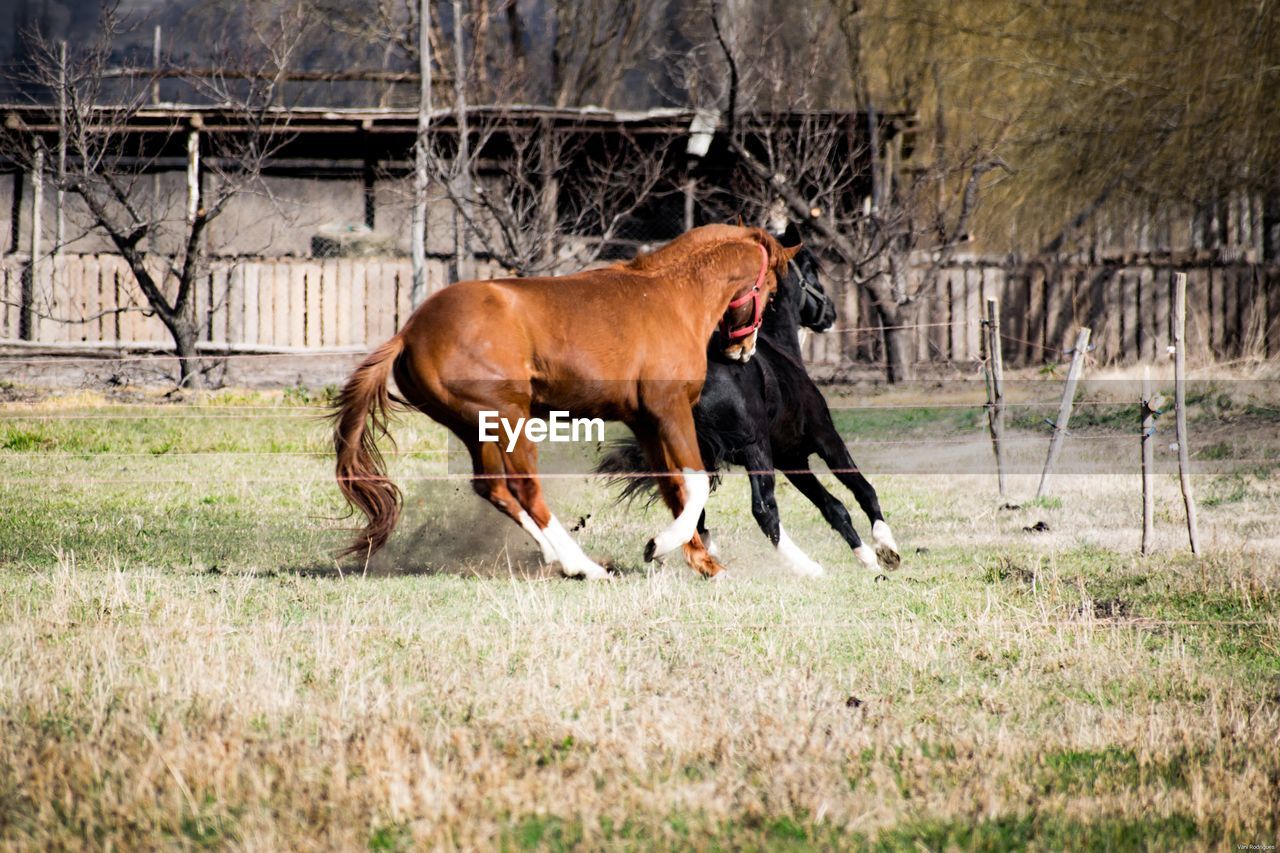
(183, 664)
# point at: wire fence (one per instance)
(319, 415)
(353, 352)
(161, 356)
(331, 352)
(326, 477)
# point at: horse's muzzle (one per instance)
(743, 350)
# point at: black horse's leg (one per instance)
(832, 449)
(712, 548)
(832, 510)
(764, 506)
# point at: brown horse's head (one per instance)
(752, 255)
(740, 325)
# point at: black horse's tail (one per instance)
(626, 466)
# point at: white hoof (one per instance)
(795, 558)
(589, 570)
(808, 570)
(883, 535)
(886, 548)
(573, 562)
(803, 566)
(712, 548)
(867, 556)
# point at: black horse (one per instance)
(767, 414)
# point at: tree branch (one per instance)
(732, 63)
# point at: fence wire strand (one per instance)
(167, 357)
(325, 477)
(166, 411)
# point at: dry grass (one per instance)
(182, 667)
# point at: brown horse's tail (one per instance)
(360, 416)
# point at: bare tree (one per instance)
(838, 173)
(108, 169)
(547, 194)
(528, 187)
(503, 172)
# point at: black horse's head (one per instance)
(802, 290)
(817, 310)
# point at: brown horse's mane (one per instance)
(694, 245)
(707, 256)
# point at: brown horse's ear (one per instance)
(741, 224)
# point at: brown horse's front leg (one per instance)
(685, 486)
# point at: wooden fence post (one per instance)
(994, 363)
(1150, 408)
(1064, 409)
(1180, 405)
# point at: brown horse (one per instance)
(623, 343)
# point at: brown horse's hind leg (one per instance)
(673, 449)
(489, 482)
(461, 414)
(522, 480)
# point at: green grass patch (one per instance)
(302, 395)
(1046, 832)
(1093, 415)
(1270, 414)
(1002, 833)
(1215, 451)
(1084, 769)
(1227, 489)
(25, 440)
(391, 837)
(869, 423)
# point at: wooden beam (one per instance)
(193, 175)
(37, 300)
(15, 211)
(353, 75)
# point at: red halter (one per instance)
(753, 294)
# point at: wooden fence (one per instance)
(244, 304)
(255, 304)
(1233, 309)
